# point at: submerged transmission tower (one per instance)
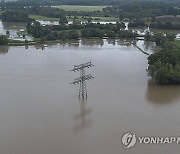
(82, 79)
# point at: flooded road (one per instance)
(40, 112)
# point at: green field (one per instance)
(80, 8)
(169, 18)
(97, 19)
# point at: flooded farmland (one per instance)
(40, 112)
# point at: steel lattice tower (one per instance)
(82, 79)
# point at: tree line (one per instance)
(15, 16)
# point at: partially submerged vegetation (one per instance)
(3, 40)
(164, 66)
(78, 30)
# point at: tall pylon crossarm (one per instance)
(82, 79)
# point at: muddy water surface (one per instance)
(40, 112)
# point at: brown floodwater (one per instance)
(40, 112)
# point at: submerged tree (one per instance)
(164, 66)
(3, 40)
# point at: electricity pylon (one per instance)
(82, 79)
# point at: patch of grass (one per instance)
(39, 17)
(80, 8)
(169, 18)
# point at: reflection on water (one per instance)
(161, 95)
(4, 49)
(39, 46)
(124, 42)
(92, 42)
(81, 119)
(26, 46)
(111, 41)
(74, 43)
(149, 45)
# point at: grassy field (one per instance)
(168, 18)
(80, 8)
(97, 19)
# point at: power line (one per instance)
(82, 79)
